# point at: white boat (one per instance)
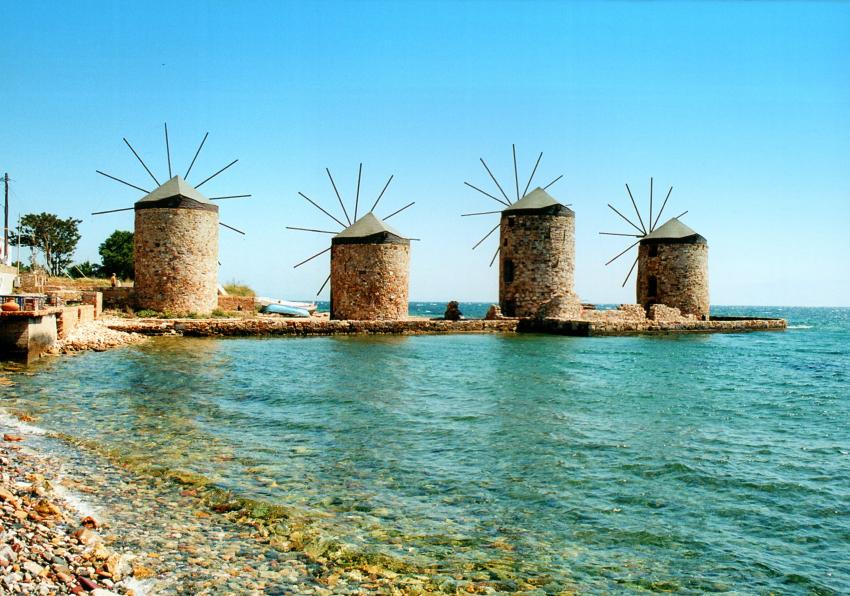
(310, 307)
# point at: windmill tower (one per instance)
(370, 262)
(175, 241)
(536, 250)
(672, 261)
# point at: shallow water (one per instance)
(690, 463)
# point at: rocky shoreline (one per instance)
(96, 336)
(47, 546)
(77, 524)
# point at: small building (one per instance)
(176, 250)
(370, 269)
(537, 258)
(673, 269)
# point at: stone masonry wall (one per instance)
(540, 249)
(176, 260)
(369, 281)
(681, 273)
(239, 303)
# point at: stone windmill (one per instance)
(672, 260)
(175, 240)
(536, 249)
(370, 261)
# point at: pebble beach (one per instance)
(105, 531)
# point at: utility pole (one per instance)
(6, 222)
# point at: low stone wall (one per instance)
(238, 303)
(119, 298)
(263, 326)
(624, 327)
(662, 313)
(268, 326)
(95, 299)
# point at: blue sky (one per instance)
(743, 108)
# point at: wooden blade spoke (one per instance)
(530, 178)
(629, 273)
(640, 219)
(382, 193)
(317, 206)
(307, 260)
(496, 254)
(553, 182)
(624, 252)
(123, 182)
(339, 198)
(487, 194)
(216, 174)
(113, 211)
(643, 232)
(660, 211)
(204, 140)
(494, 180)
(144, 165)
(229, 197)
(479, 213)
(477, 244)
(516, 175)
(167, 149)
(357, 195)
(399, 210)
(327, 279)
(310, 230)
(231, 228)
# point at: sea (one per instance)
(689, 463)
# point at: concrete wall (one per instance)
(7, 279)
(681, 273)
(539, 252)
(369, 281)
(176, 260)
(25, 338)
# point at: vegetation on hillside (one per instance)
(236, 289)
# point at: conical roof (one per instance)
(176, 187)
(538, 200)
(674, 230)
(369, 228)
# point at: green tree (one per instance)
(116, 254)
(84, 269)
(55, 238)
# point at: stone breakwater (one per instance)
(627, 327)
(263, 326)
(615, 322)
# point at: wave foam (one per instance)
(7, 419)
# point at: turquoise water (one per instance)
(690, 463)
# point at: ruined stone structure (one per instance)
(370, 265)
(537, 258)
(176, 250)
(673, 269)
